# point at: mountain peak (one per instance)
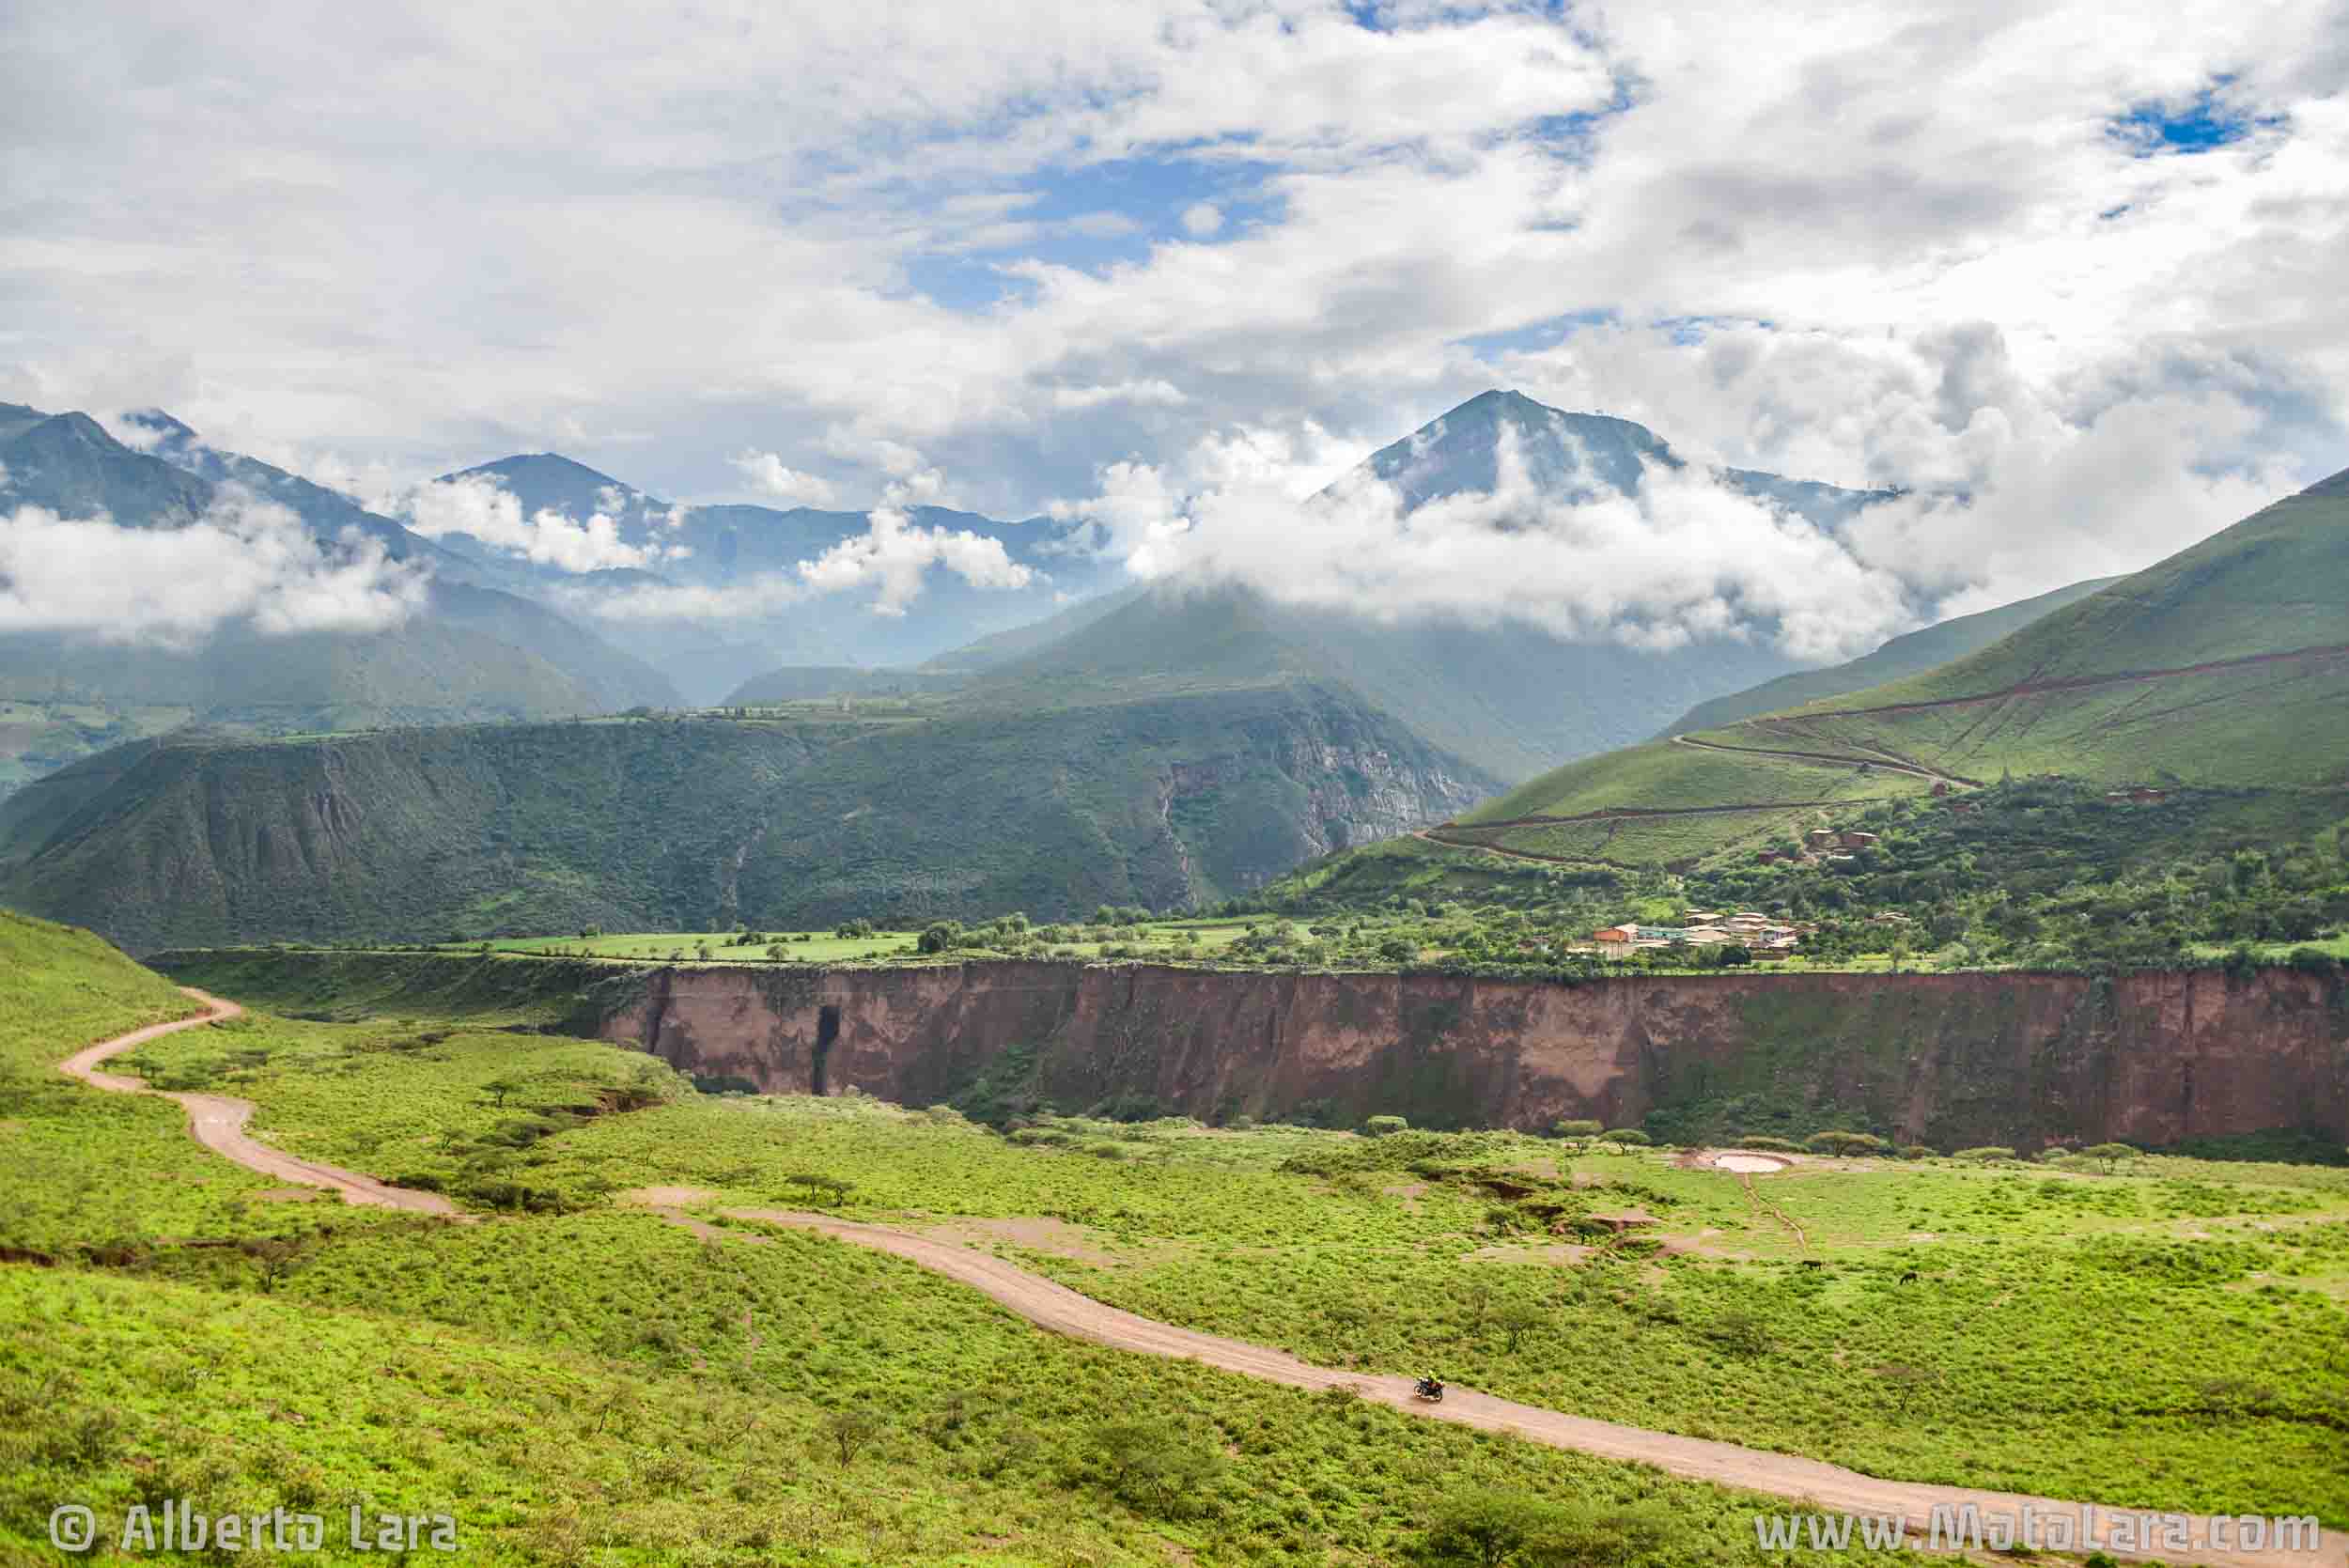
(167, 434)
(545, 468)
(1564, 455)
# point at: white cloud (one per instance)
(1152, 393)
(1201, 219)
(768, 474)
(894, 554)
(481, 506)
(244, 561)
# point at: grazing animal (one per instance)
(1910, 1278)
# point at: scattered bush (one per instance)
(1379, 1126)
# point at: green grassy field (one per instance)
(587, 1384)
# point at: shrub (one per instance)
(1763, 1144)
(1986, 1155)
(1916, 1151)
(1379, 1126)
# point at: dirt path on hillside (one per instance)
(2072, 683)
(217, 1121)
(1913, 769)
(1813, 1484)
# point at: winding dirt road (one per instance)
(217, 1121)
(1813, 1487)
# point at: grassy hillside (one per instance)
(694, 824)
(59, 985)
(1913, 654)
(2224, 669)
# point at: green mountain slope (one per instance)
(2222, 670)
(1912, 653)
(1160, 801)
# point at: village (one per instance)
(1760, 934)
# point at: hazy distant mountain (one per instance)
(474, 653)
(730, 546)
(1570, 457)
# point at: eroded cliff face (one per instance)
(1943, 1059)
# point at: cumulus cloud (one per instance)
(895, 553)
(2020, 482)
(479, 505)
(245, 561)
(1687, 558)
(770, 476)
(1202, 219)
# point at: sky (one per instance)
(2069, 270)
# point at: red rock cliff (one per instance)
(1946, 1059)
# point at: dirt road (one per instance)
(1812, 1485)
(217, 1121)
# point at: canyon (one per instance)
(1947, 1060)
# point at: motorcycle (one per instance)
(1430, 1390)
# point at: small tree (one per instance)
(1517, 1319)
(1378, 1127)
(1626, 1139)
(499, 1087)
(2109, 1155)
(1487, 1529)
(1906, 1380)
(273, 1259)
(940, 936)
(1153, 1463)
(1577, 1128)
(850, 1432)
(1741, 1333)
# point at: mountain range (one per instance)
(1169, 743)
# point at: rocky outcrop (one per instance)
(1949, 1059)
